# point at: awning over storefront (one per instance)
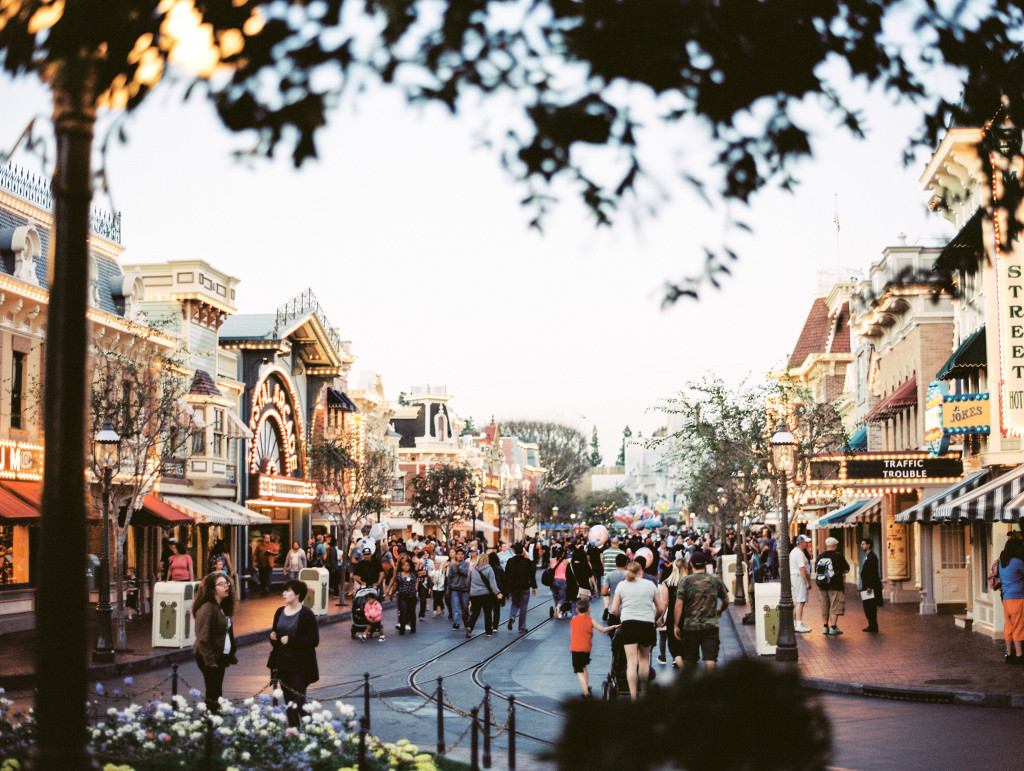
(15, 510)
(156, 513)
(986, 502)
(966, 360)
(840, 517)
(214, 511)
(922, 512)
(858, 442)
(482, 526)
(234, 428)
(966, 248)
(902, 398)
(338, 400)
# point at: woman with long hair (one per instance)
(214, 645)
(558, 564)
(638, 604)
(293, 640)
(294, 561)
(405, 585)
(1011, 573)
(484, 596)
(179, 566)
(668, 595)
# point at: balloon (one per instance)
(368, 543)
(646, 553)
(379, 531)
(598, 536)
(661, 506)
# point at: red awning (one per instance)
(156, 513)
(14, 508)
(903, 397)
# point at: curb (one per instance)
(27, 680)
(896, 693)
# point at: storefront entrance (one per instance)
(950, 549)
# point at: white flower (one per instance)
(278, 693)
(245, 756)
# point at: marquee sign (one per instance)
(887, 471)
(273, 449)
(19, 460)
(923, 468)
(948, 415)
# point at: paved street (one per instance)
(868, 733)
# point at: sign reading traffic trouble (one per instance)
(900, 468)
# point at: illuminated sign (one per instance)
(892, 470)
(935, 439)
(966, 414)
(272, 411)
(19, 460)
(924, 468)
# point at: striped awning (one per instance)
(922, 512)
(986, 503)
(832, 519)
(870, 512)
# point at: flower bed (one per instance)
(177, 734)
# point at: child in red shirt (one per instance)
(581, 636)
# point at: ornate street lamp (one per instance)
(512, 510)
(473, 501)
(783, 458)
(554, 517)
(107, 441)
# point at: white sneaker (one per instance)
(800, 627)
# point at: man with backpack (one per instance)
(829, 568)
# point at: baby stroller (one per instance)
(615, 683)
(359, 621)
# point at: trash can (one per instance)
(173, 626)
(766, 618)
(317, 581)
(729, 574)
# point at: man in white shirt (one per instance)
(800, 579)
(505, 553)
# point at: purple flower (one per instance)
(128, 681)
(99, 689)
(194, 693)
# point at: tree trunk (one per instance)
(61, 595)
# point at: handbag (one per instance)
(548, 576)
(583, 593)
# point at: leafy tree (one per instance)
(562, 449)
(443, 496)
(600, 505)
(626, 434)
(547, 498)
(403, 401)
(595, 449)
(353, 485)
(469, 429)
(138, 387)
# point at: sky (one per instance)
(416, 245)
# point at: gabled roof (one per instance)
(823, 332)
(203, 385)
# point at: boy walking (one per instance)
(581, 638)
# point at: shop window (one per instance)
(17, 387)
(218, 433)
(981, 531)
(951, 538)
(14, 548)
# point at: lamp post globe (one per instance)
(783, 446)
(106, 441)
(512, 510)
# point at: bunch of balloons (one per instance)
(637, 519)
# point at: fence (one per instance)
(479, 730)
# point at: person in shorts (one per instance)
(581, 639)
(829, 568)
(800, 580)
(697, 612)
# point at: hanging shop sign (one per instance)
(935, 439)
(966, 414)
(19, 460)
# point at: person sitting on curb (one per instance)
(829, 568)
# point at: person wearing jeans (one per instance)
(458, 584)
(521, 579)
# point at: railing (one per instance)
(36, 189)
(300, 305)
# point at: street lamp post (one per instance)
(473, 502)
(512, 510)
(106, 457)
(554, 517)
(783, 445)
(739, 597)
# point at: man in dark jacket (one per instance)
(457, 579)
(870, 580)
(520, 578)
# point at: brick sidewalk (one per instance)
(253, 616)
(920, 655)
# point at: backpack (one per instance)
(317, 560)
(824, 572)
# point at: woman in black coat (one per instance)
(293, 641)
